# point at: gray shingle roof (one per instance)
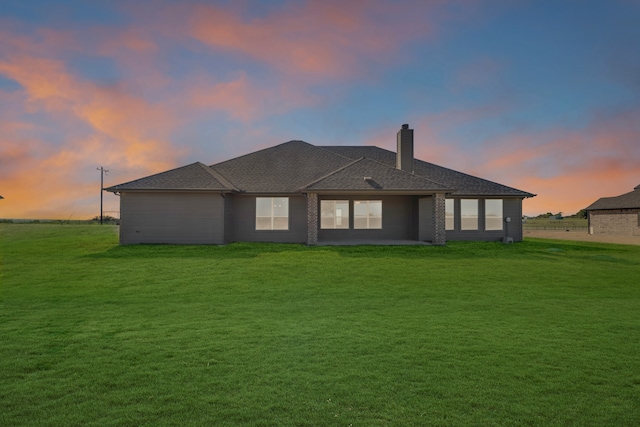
(285, 168)
(462, 183)
(379, 177)
(625, 201)
(196, 176)
(297, 166)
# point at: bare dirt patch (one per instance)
(582, 236)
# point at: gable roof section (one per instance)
(461, 183)
(297, 166)
(285, 168)
(625, 201)
(367, 175)
(196, 176)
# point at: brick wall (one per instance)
(312, 219)
(624, 222)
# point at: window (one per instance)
(272, 213)
(469, 214)
(367, 214)
(493, 214)
(334, 214)
(449, 223)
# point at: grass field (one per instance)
(541, 332)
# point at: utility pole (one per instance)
(102, 172)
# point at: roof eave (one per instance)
(168, 190)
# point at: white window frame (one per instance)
(339, 220)
(369, 217)
(272, 225)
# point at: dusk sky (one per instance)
(540, 95)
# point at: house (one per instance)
(301, 193)
(618, 215)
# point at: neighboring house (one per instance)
(300, 193)
(616, 215)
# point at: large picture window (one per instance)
(367, 214)
(334, 214)
(272, 213)
(449, 216)
(469, 214)
(492, 214)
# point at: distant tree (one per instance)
(582, 214)
(105, 218)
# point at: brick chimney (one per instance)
(404, 155)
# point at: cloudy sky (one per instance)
(541, 95)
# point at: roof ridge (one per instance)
(218, 176)
(331, 173)
(260, 151)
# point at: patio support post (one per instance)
(439, 236)
(312, 219)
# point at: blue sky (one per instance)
(539, 95)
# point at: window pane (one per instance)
(263, 223)
(342, 214)
(469, 214)
(375, 208)
(493, 214)
(448, 214)
(375, 223)
(281, 206)
(280, 223)
(327, 222)
(334, 214)
(263, 206)
(359, 222)
(272, 213)
(367, 214)
(359, 208)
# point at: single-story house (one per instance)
(296, 192)
(618, 215)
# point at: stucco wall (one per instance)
(623, 222)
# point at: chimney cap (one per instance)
(405, 126)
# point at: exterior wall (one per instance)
(623, 222)
(243, 221)
(426, 231)
(511, 208)
(171, 217)
(229, 202)
(398, 220)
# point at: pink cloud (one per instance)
(567, 169)
(101, 125)
(328, 39)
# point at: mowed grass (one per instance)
(535, 333)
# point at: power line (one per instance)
(102, 172)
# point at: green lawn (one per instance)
(535, 333)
